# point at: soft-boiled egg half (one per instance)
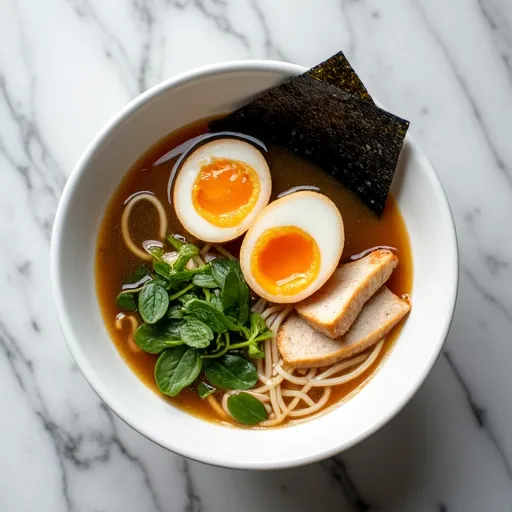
(220, 189)
(293, 247)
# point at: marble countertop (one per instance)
(66, 66)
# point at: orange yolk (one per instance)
(225, 191)
(285, 260)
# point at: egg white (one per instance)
(315, 214)
(233, 149)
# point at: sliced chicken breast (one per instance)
(333, 308)
(302, 346)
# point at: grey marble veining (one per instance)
(66, 66)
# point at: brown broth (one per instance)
(114, 261)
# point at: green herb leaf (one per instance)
(176, 369)
(163, 269)
(254, 351)
(175, 242)
(153, 302)
(244, 299)
(259, 329)
(153, 339)
(247, 409)
(162, 281)
(157, 252)
(231, 372)
(208, 314)
(178, 277)
(175, 272)
(204, 390)
(204, 280)
(257, 323)
(230, 291)
(185, 299)
(216, 302)
(235, 292)
(126, 301)
(175, 312)
(196, 333)
(220, 269)
(243, 295)
(258, 332)
(186, 253)
(234, 325)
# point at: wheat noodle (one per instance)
(125, 230)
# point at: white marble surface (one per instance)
(66, 66)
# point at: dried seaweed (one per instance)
(337, 71)
(327, 116)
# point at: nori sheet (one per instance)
(340, 130)
(337, 71)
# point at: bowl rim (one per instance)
(80, 356)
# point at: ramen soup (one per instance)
(245, 284)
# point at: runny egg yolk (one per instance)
(225, 191)
(285, 260)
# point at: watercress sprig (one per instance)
(198, 319)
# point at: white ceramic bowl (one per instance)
(197, 94)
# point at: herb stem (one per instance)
(250, 341)
(241, 345)
(177, 244)
(264, 336)
(223, 351)
(181, 292)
